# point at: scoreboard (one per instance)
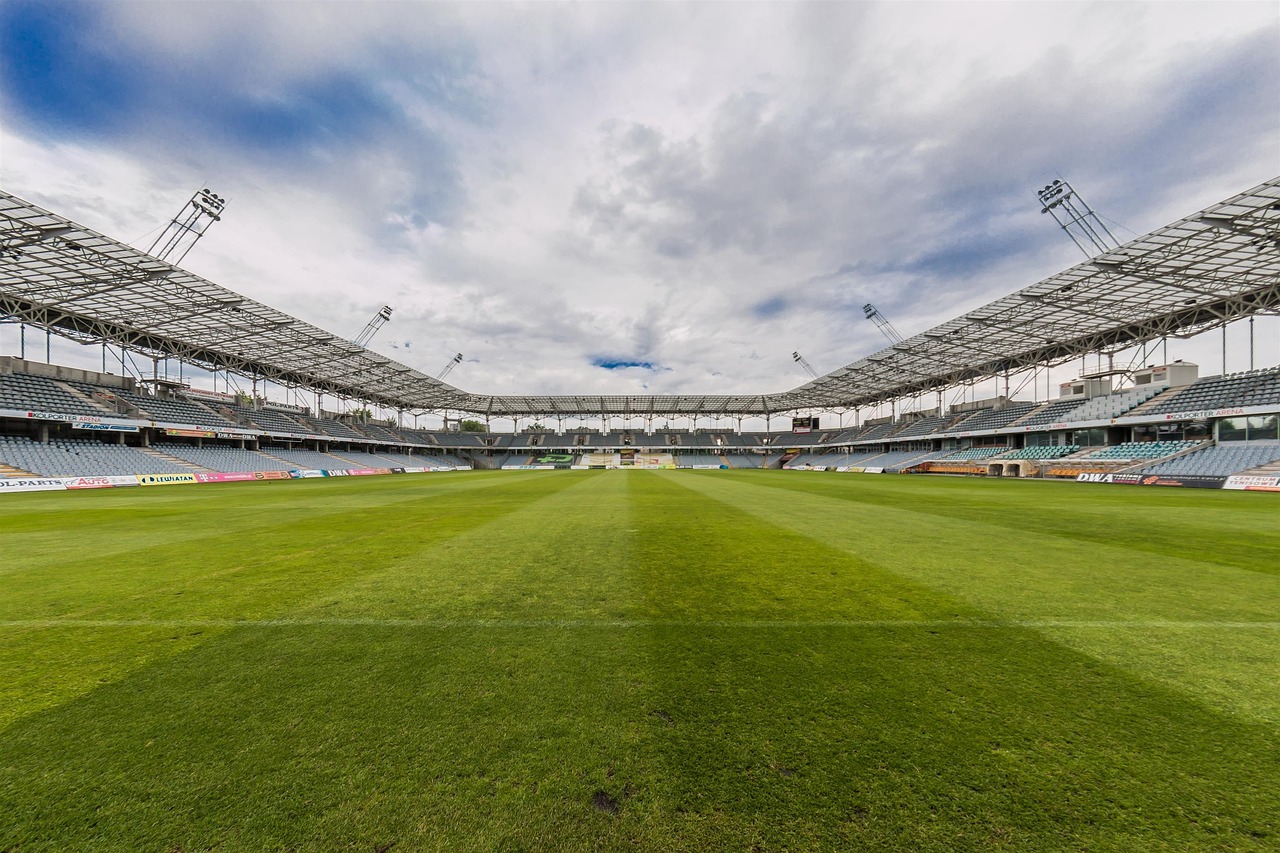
(801, 425)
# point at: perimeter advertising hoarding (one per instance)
(52, 484)
(225, 477)
(99, 482)
(31, 484)
(165, 479)
(246, 476)
(1187, 482)
(1253, 483)
(1153, 480)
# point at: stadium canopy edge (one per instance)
(1210, 268)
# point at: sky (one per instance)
(636, 197)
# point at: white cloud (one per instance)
(552, 183)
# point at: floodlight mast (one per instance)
(1074, 216)
(448, 368)
(808, 368)
(371, 328)
(186, 229)
(882, 323)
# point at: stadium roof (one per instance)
(1215, 266)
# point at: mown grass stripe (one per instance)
(763, 624)
(1046, 576)
(482, 668)
(237, 563)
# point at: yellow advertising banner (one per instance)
(165, 479)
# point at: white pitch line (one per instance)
(323, 621)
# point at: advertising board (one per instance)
(225, 477)
(165, 479)
(59, 416)
(106, 427)
(31, 484)
(99, 482)
(1191, 482)
(1254, 483)
(1120, 479)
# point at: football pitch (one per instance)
(651, 660)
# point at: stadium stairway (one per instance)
(1270, 469)
(1031, 414)
(1155, 401)
(342, 458)
(270, 455)
(159, 454)
(10, 471)
(88, 400)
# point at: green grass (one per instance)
(640, 660)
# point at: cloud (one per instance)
(358, 126)
(700, 188)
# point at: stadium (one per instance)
(1006, 583)
(1126, 423)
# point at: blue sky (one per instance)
(615, 197)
